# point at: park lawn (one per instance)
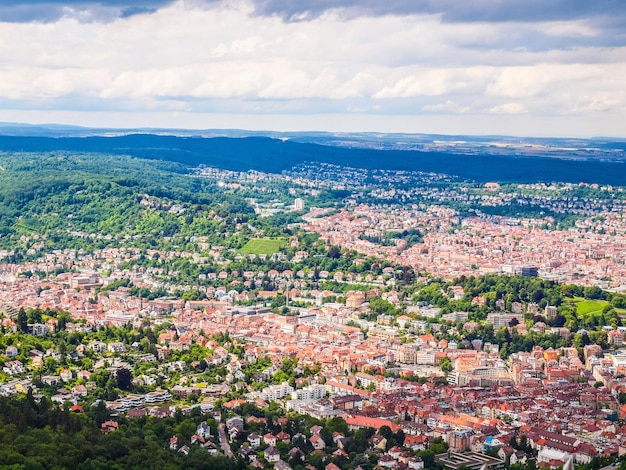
(585, 307)
(258, 246)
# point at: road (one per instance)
(228, 452)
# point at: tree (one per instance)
(34, 315)
(22, 321)
(359, 443)
(381, 306)
(386, 432)
(446, 365)
(327, 436)
(438, 446)
(504, 352)
(100, 413)
(124, 378)
(62, 322)
(280, 377)
(400, 437)
(337, 425)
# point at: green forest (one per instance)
(95, 200)
(34, 435)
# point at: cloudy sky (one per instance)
(517, 67)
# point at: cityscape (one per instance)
(433, 334)
(315, 235)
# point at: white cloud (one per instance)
(447, 106)
(568, 28)
(223, 58)
(508, 108)
(419, 81)
(529, 81)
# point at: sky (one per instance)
(508, 67)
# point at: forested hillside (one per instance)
(35, 434)
(68, 196)
(274, 156)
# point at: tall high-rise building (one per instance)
(298, 204)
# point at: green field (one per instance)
(585, 307)
(267, 246)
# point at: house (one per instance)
(419, 442)
(387, 461)
(197, 439)
(109, 426)
(317, 442)
(615, 337)
(66, 375)
(505, 452)
(233, 433)
(257, 464)
(50, 379)
(80, 390)
(38, 329)
(296, 452)
(519, 457)
(316, 429)
(254, 440)
(203, 430)
(235, 422)
(116, 347)
(248, 453)
(62, 398)
(415, 463)
(158, 412)
(342, 442)
(137, 413)
(14, 368)
(37, 362)
(97, 347)
(84, 374)
(271, 454)
(395, 452)
(254, 419)
(378, 442)
(269, 439)
(282, 465)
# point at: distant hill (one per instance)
(275, 155)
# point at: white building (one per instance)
(276, 392)
(310, 392)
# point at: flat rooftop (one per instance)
(471, 460)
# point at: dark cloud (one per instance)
(607, 15)
(134, 10)
(46, 11)
(452, 10)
